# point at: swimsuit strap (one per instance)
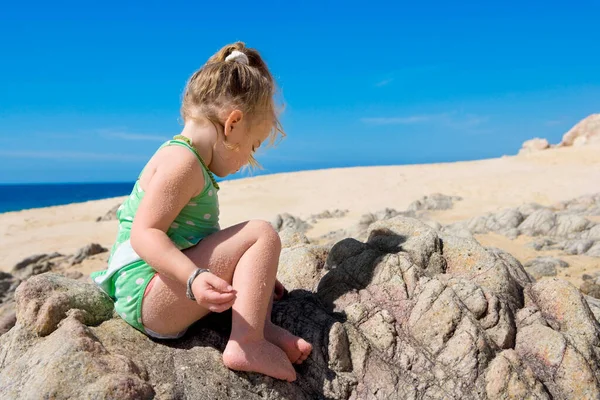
(188, 142)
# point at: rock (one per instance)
(359, 231)
(534, 145)
(558, 230)
(564, 355)
(36, 264)
(43, 301)
(309, 259)
(544, 266)
(329, 214)
(591, 288)
(8, 317)
(409, 314)
(508, 377)
(285, 220)
(584, 205)
(501, 222)
(87, 251)
(436, 201)
(586, 131)
(542, 244)
(110, 215)
(8, 284)
(594, 250)
(291, 237)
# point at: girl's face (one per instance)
(234, 150)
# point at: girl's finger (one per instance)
(219, 284)
(214, 297)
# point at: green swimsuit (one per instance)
(127, 275)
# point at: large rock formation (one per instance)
(533, 145)
(586, 131)
(407, 314)
(35, 265)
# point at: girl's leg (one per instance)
(247, 256)
(297, 349)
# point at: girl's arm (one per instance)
(178, 177)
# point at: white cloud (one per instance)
(409, 120)
(384, 82)
(452, 120)
(72, 155)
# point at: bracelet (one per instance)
(188, 293)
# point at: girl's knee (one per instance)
(265, 231)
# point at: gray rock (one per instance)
(557, 230)
(544, 266)
(542, 244)
(594, 251)
(329, 214)
(583, 205)
(87, 251)
(591, 288)
(36, 264)
(110, 215)
(436, 201)
(408, 314)
(291, 238)
(285, 220)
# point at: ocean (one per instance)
(24, 196)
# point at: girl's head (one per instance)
(235, 91)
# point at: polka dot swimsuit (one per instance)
(127, 275)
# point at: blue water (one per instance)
(21, 197)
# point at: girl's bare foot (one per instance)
(297, 349)
(258, 356)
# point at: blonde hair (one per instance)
(222, 84)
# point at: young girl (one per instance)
(171, 265)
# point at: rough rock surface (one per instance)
(583, 205)
(35, 265)
(436, 201)
(285, 220)
(533, 145)
(337, 213)
(586, 131)
(90, 250)
(564, 229)
(407, 314)
(544, 266)
(591, 288)
(110, 215)
(360, 230)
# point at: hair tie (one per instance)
(238, 56)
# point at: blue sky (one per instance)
(87, 92)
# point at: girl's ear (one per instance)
(234, 118)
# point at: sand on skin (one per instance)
(489, 185)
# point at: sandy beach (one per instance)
(545, 177)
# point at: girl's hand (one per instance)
(279, 291)
(213, 293)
